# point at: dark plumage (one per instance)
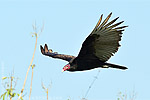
(97, 48)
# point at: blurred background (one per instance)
(66, 25)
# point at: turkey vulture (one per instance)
(97, 48)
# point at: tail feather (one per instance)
(116, 66)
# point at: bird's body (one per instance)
(81, 64)
(97, 48)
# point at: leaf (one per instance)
(13, 94)
(35, 34)
(4, 78)
(4, 95)
(33, 66)
(21, 98)
(1, 96)
(8, 93)
(18, 94)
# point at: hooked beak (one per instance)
(62, 70)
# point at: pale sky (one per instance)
(66, 25)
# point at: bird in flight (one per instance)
(96, 50)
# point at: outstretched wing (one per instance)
(103, 41)
(52, 54)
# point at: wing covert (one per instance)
(48, 52)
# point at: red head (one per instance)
(66, 67)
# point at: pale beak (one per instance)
(62, 70)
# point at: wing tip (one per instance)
(42, 49)
(46, 48)
(110, 14)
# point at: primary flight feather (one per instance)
(98, 47)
